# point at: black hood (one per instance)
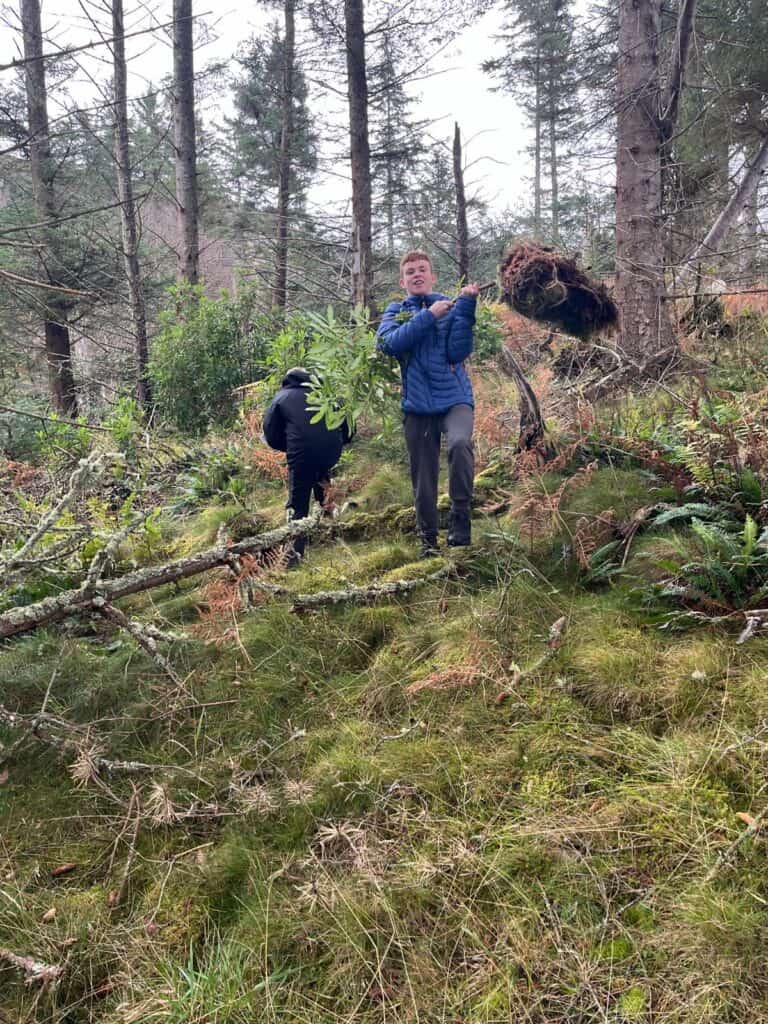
(296, 377)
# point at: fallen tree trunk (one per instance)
(94, 596)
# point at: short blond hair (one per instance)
(412, 255)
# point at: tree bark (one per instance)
(462, 229)
(280, 297)
(57, 343)
(360, 154)
(185, 141)
(128, 207)
(731, 212)
(645, 327)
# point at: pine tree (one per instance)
(396, 143)
(274, 144)
(539, 70)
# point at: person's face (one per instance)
(417, 277)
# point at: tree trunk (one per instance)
(42, 168)
(732, 211)
(184, 140)
(680, 49)
(462, 229)
(128, 207)
(284, 172)
(750, 233)
(532, 428)
(537, 149)
(389, 198)
(645, 327)
(555, 196)
(360, 155)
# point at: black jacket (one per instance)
(287, 427)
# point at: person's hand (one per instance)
(470, 290)
(440, 308)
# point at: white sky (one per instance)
(492, 128)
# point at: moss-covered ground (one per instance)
(339, 821)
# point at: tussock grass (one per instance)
(383, 850)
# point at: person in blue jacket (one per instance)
(430, 335)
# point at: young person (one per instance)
(431, 336)
(312, 450)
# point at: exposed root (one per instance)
(543, 284)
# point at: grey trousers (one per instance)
(422, 438)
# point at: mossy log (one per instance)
(94, 597)
(364, 595)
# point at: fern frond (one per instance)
(692, 510)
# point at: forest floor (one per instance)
(428, 809)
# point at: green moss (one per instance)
(389, 485)
(615, 950)
(633, 1004)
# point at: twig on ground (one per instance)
(727, 856)
(131, 849)
(554, 642)
(754, 622)
(35, 971)
(405, 731)
(90, 762)
(141, 636)
(105, 556)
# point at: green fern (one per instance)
(693, 510)
(728, 570)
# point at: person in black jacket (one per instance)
(312, 450)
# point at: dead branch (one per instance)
(87, 470)
(728, 855)
(754, 622)
(362, 595)
(131, 849)
(142, 636)
(729, 214)
(680, 50)
(531, 420)
(105, 556)
(69, 737)
(93, 598)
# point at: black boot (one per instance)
(459, 529)
(429, 548)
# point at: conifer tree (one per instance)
(539, 70)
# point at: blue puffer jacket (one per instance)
(431, 352)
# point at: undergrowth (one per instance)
(430, 809)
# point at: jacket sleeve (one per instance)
(460, 341)
(396, 339)
(274, 427)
